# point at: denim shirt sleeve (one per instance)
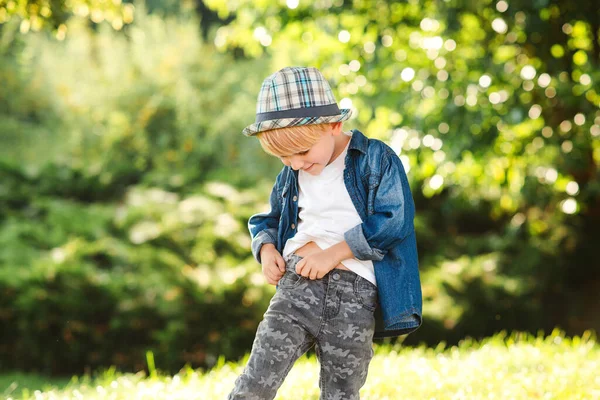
(392, 217)
(263, 227)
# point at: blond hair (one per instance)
(291, 140)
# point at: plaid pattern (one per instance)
(295, 90)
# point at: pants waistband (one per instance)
(336, 274)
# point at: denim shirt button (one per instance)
(293, 226)
(295, 198)
(336, 276)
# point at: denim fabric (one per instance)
(378, 186)
(335, 314)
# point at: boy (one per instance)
(338, 242)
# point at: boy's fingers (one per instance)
(300, 266)
(276, 272)
(306, 271)
(280, 263)
(269, 274)
(267, 278)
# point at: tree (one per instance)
(36, 15)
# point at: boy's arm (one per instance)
(393, 215)
(263, 226)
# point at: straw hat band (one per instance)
(319, 111)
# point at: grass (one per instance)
(517, 366)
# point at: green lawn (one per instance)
(515, 367)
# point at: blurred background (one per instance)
(126, 184)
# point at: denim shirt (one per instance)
(378, 186)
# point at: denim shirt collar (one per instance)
(358, 141)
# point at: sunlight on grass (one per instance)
(519, 366)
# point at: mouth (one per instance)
(309, 168)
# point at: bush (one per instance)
(87, 286)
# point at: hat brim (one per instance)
(345, 114)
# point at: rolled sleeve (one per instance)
(360, 247)
(263, 237)
(263, 227)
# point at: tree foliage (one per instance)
(35, 15)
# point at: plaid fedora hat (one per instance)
(295, 96)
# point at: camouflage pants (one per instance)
(335, 314)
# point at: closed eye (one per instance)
(298, 154)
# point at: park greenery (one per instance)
(126, 184)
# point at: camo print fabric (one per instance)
(334, 314)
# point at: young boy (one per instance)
(339, 241)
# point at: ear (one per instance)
(336, 128)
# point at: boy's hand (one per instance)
(273, 265)
(317, 264)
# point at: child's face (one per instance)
(315, 159)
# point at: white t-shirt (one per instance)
(325, 212)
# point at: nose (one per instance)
(296, 163)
